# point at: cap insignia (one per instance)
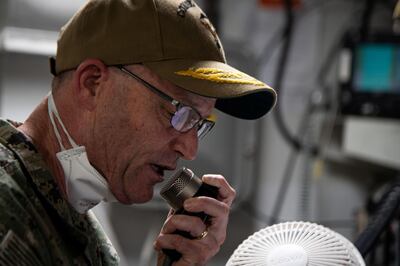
(184, 6)
(207, 24)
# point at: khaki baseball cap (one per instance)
(174, 38)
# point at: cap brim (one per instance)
(237, 93)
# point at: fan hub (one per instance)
(287, 255)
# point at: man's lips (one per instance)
(159, 169)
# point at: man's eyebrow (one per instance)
(183, 97)
(190, 103)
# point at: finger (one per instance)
(191, 224)
(194, 252)
(160, 257)
(226, 192)
(219, 212)
(207, 205)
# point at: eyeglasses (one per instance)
(185, 117)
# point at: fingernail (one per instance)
(187, 204)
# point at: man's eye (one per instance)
(168, 115)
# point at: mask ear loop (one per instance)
(52, 109)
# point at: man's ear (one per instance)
(89, 77)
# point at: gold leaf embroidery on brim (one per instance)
(220, 76)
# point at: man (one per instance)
(134, 88)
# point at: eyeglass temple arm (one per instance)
(149, 86)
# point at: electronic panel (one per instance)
(372, 86)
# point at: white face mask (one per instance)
(85, 186)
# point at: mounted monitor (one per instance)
(370, 77)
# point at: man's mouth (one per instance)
(159, 169)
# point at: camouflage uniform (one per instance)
(37, 226)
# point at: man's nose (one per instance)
(186, 144)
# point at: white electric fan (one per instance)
(296, 244)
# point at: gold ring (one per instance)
(203, 235)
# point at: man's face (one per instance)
(132, 141)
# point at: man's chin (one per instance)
(136, 199)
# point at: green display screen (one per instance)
(377, 68)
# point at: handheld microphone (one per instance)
(182, 185)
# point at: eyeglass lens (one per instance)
(186, 118)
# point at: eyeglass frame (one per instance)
(177, 104)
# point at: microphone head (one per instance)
(183, 184)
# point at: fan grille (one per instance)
(321, 246)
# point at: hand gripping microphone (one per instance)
(182, 185)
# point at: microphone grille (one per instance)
(177, 181)
(182, 185)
